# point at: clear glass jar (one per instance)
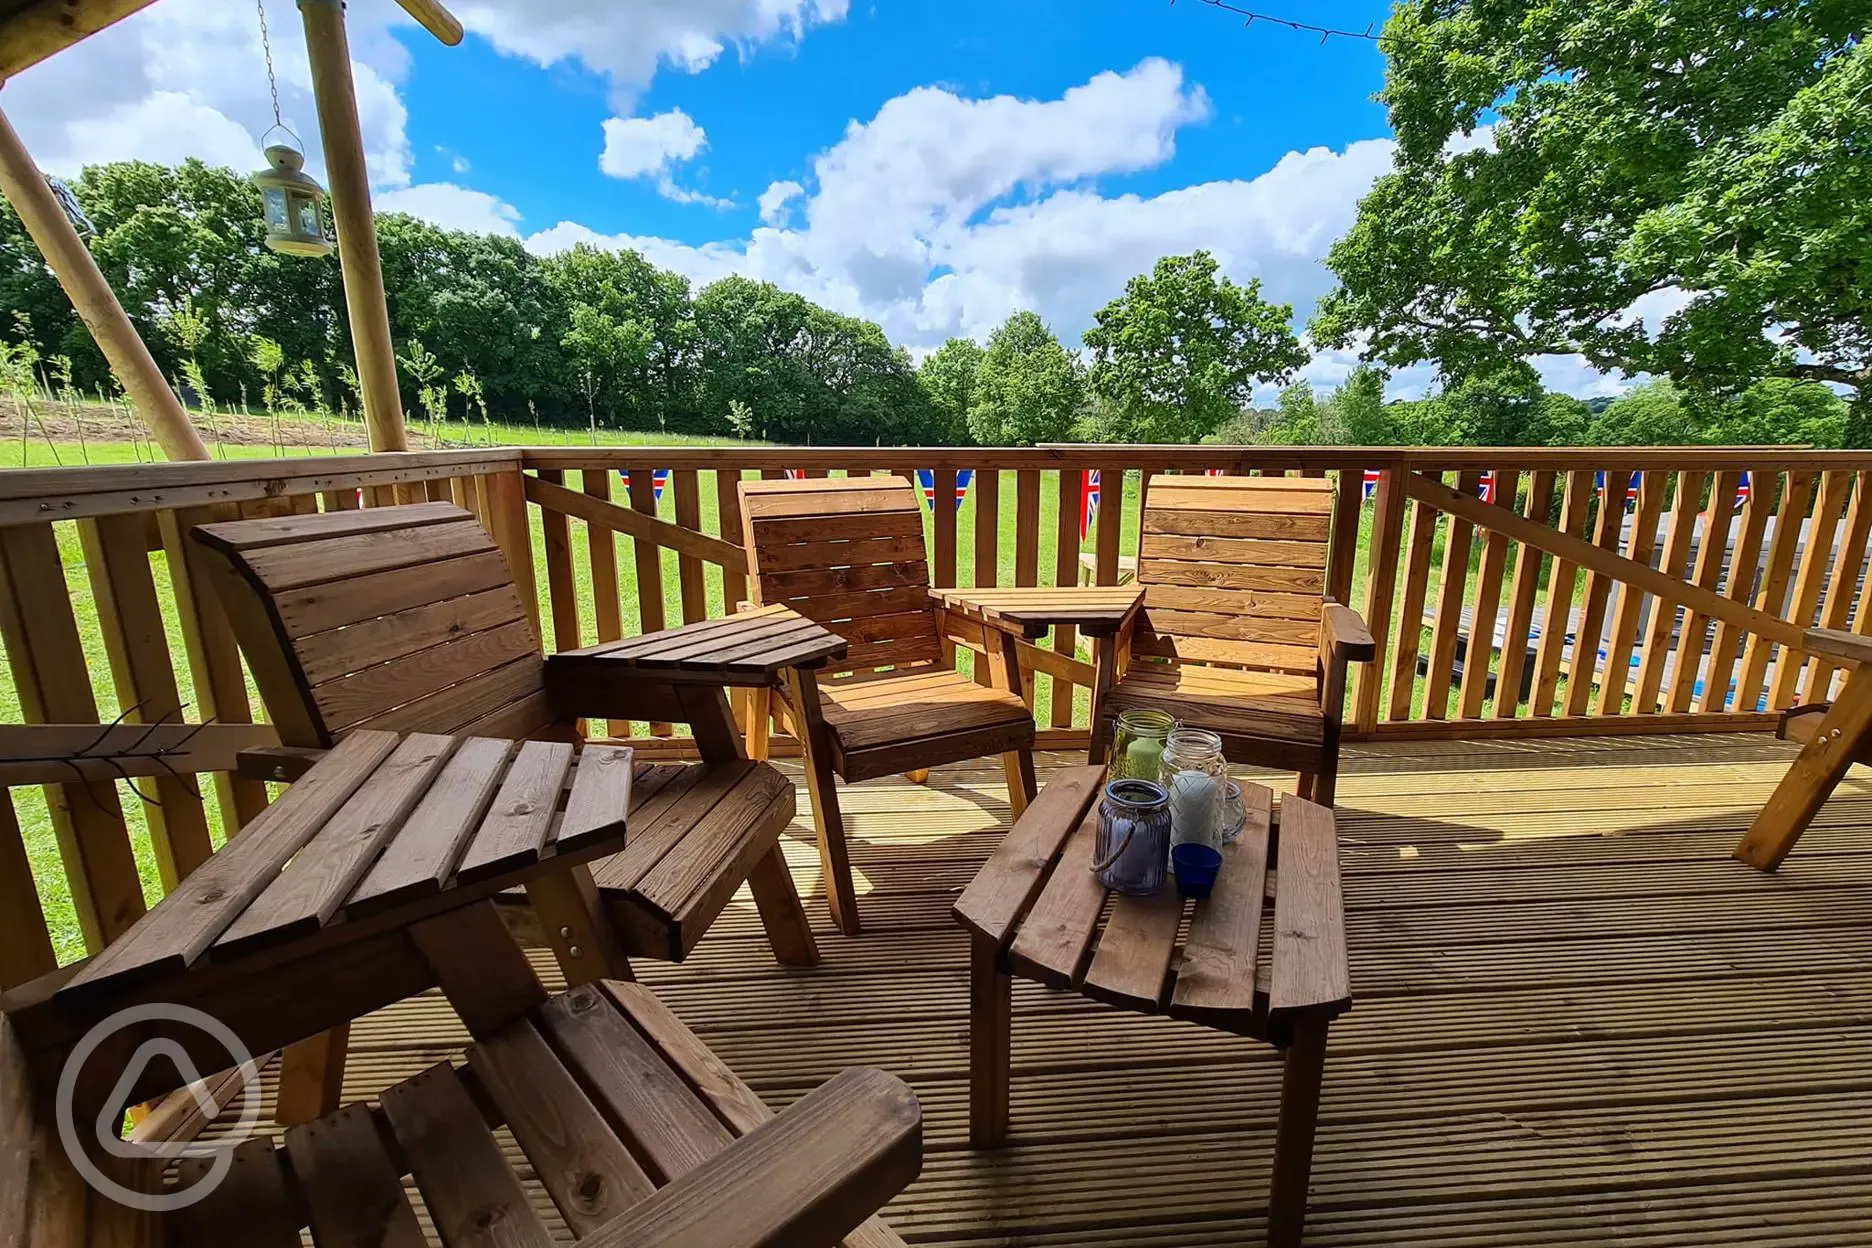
(1133, 844)
(1196, 776)
(1234, 813)
(1138, 739)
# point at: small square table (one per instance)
(1038, 911)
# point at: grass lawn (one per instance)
(40, 842)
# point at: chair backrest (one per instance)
(400, 618)
(1234, 570)
(847, 552)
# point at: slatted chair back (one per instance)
(1234, 570)
(401, 618)
(847, 552)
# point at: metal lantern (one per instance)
(290, 200)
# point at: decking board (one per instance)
(1577, 1021)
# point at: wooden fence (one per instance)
(1533, 592)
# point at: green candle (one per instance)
(1144, 758)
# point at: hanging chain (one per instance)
(266, 46)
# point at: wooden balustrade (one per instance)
(1554, 605)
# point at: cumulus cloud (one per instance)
(452, 207)
(637, 146)
(774, 201)
(627, 45)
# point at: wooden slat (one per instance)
(294, 565)
(1110, 521)
(666, 1126)
(691, 587)
(728, 514)
(649, 562)
(136, 640)
(1654, 647)
(1309, 555)
(343, 603)
(642, 526)
(1796, 498)
(586, 1170)
(1216, 978)
(471, 1195)
(1027, 527)
(1133, 958)
(1584, 663)
(349, 1186)
(366, 695)
(1624, 633)
(436, 832)
(25, 944)
(519, 823)
(1710, 561)
(1052, 942)
(1348, 499)
(1739, 583)
(561, 586)
(1066, 572)
(329, 655)
(1273, 526)
(290, 530)
(321, 875)
(1522, 593)
(1809, 583)
(1485, 607)
(1843, 585)
(1560, 586)
(53, 684)
(1423, 525)
(1004, 888)
(250, 1207)
(1309, 914)
(1454, 579)
(1380, 588)
(601, 795)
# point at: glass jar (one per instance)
(1195, 775)
(1133, 843)
(1234, 813)
(1138, 739)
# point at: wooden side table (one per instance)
(1035, 911)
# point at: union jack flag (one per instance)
(1215, 472)
(796, 474)
(1487, 490)
(1088, 500)
(659, 477)
(1631, 487)
(1745, 489)
(1371, 482)
(926, 477)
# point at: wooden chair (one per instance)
(1236, 634)
(1833, 735)
(848, 553)
(407, 618)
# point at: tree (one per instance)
(1028, 389)
(1181, 350)
(1362, 414)
(1558, 163)
(948, 377)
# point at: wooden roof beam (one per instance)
(49, 26)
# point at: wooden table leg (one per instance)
(822, 789)
(311, 1077)
(991, 1004)
(771, 881)
(1293, 1140)
(580, 934)
(1815, 773)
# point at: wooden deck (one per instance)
(1578, 1022)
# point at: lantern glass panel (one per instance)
(275, 199)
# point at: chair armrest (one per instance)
(1344, 637)
(749, 648)
(1833, 644)
(276, 763)
(1095, 610)
(804, 1179)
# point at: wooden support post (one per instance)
(1293, 1140)
(990, 1037)
(96, 302)
(1810, 781)
(330, 54)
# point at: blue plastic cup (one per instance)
(1196, 867)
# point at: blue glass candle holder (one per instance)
(1196, 866)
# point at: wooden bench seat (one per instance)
(871, 720)
(611, 1100)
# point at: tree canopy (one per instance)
(1028, 388)
(1181, 350)
(1678, 187)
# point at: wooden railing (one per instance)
(1584, 613)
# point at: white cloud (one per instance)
(635, 147)
(774, 201)
(626, 44)
(452, 207)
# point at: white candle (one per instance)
(1193, 808)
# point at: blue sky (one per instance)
(930, 166)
